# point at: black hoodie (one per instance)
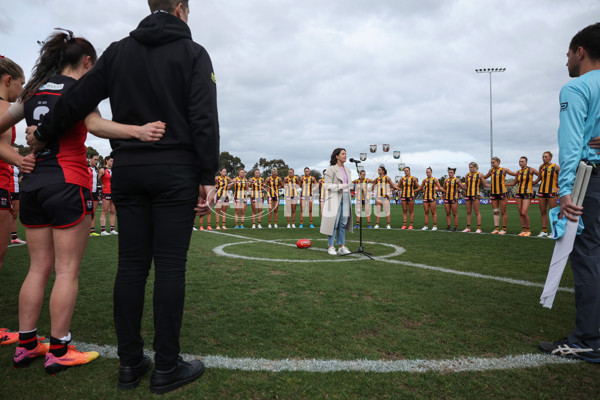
(157, 73)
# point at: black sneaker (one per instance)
(180, 375)
(130, 377)
(448, 229)
(579, 350)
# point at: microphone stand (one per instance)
(361, 249)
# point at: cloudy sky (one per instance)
(297, 78)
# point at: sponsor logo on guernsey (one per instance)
(52, 86)
(213, 77)
(564, 106)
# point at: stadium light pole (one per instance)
(490, 71)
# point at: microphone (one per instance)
(352, 160)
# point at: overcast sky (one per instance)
(297, 78)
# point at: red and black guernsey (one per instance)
(63, 160)
(6, 172)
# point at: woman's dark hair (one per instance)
(335, 153)
(383, 169)
(58, 51)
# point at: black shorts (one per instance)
(5, 203)
(14, 196)
(449, 201)
(95, 196)
(107, 196)
(501, 196)
(472, 198)
(256, 199)
(428, 200)
(524, 196)
(60, 206)
(407, 199)
(546, 195)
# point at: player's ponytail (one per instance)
(60, 50)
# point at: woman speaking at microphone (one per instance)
(336, 213)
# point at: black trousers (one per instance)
(155, 207)
(585, 263)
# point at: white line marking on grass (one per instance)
(460, 364)
(385, 258)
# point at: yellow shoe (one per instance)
(502, 232)
(522, 233)
(527, 233)
(72, 358)
(495, 232)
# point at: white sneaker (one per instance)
(113, 232)
(424, 228)
(466, 230)
(253, 226)
(343, 250)
(376, 227)
(104, 233)
(434, 228)
(194, 228)
(270, 226)
(275, 226)
(293, 226)
(388, 227)
(478, 231)
(259, 226)
(542, 234)
(289, 226)
(331, 251)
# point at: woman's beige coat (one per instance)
(333, 186)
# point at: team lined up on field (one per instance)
(303, 190)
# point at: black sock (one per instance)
(112, 228)
(58, 347)
(28, 340)
(103, 228)
(13, 235)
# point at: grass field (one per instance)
(436, 315)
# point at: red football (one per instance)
(303, 243)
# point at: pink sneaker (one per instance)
(23, 357)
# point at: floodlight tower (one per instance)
(490, 71)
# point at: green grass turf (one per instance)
(357, 309)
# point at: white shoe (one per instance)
(104, 233)
(270, 226)
(293, 226)
(113, 232)
(259, 226)
(388, 227)
(194, 228)
(289, 226)
(466, 230)
(424, 228)
(376, 227)
(253, 226)
(343, 250)
(542, 234)
(478, 231)
(331, 251)
(275, 226)
(434, 228)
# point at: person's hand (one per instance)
(595, 143)
(206, 200)
(27, 163)
(32, 141)
(344, 186)
(151, 132)
(569, 209)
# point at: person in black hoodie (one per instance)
(156, 73)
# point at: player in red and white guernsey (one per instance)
(11, 84)
(107, 205)
(56, 203)
(93, 173)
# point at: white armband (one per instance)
(17, 111)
